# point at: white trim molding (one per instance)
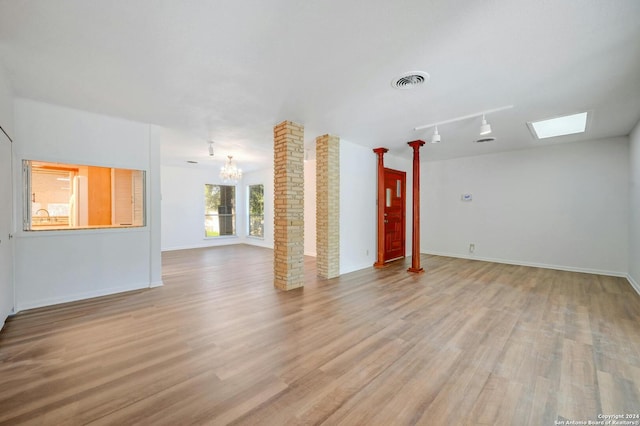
(535, 265)
(633, 283)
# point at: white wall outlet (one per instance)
(472, 247)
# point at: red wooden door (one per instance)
(394, 214)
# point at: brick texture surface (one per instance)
(288, 179)
(328, 206)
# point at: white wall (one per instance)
(182, 202)
(634, 208)
(358, 182)
(154, 214)
(6, 207)
(183, 208)
(357, 207)
(563, 206)
(6, 104)
(60, 266)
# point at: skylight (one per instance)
(559, 126)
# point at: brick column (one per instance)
(328, 206)
(288, 212)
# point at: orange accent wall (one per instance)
(99, 182)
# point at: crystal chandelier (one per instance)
(230, 173)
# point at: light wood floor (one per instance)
(465, 343)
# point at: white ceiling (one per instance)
(230, 71)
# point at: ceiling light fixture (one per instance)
(210, 148)
(485, 128)
(230, 173)
(436, 136)
(463, 117)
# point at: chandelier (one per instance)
(230, 173)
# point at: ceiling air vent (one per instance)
(410, 80)
(487, 139)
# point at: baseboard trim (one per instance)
(356, 267)
(633, 283)
(155, 284)
(78, 296)
(533, 264)
(221, 243)
(257, 243)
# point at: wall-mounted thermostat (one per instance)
(467, 197)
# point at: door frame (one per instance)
(404, 214)
(6, 235)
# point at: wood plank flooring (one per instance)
(466, 343)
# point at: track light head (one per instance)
(485, 128)
(210, 148)
(435, 138)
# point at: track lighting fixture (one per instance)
(435, 138)
(485, 128)
(210, 148)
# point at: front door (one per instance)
(394, 214)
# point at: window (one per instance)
(219, 210)
(72, 196)
(559, 126)
(256, 211)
